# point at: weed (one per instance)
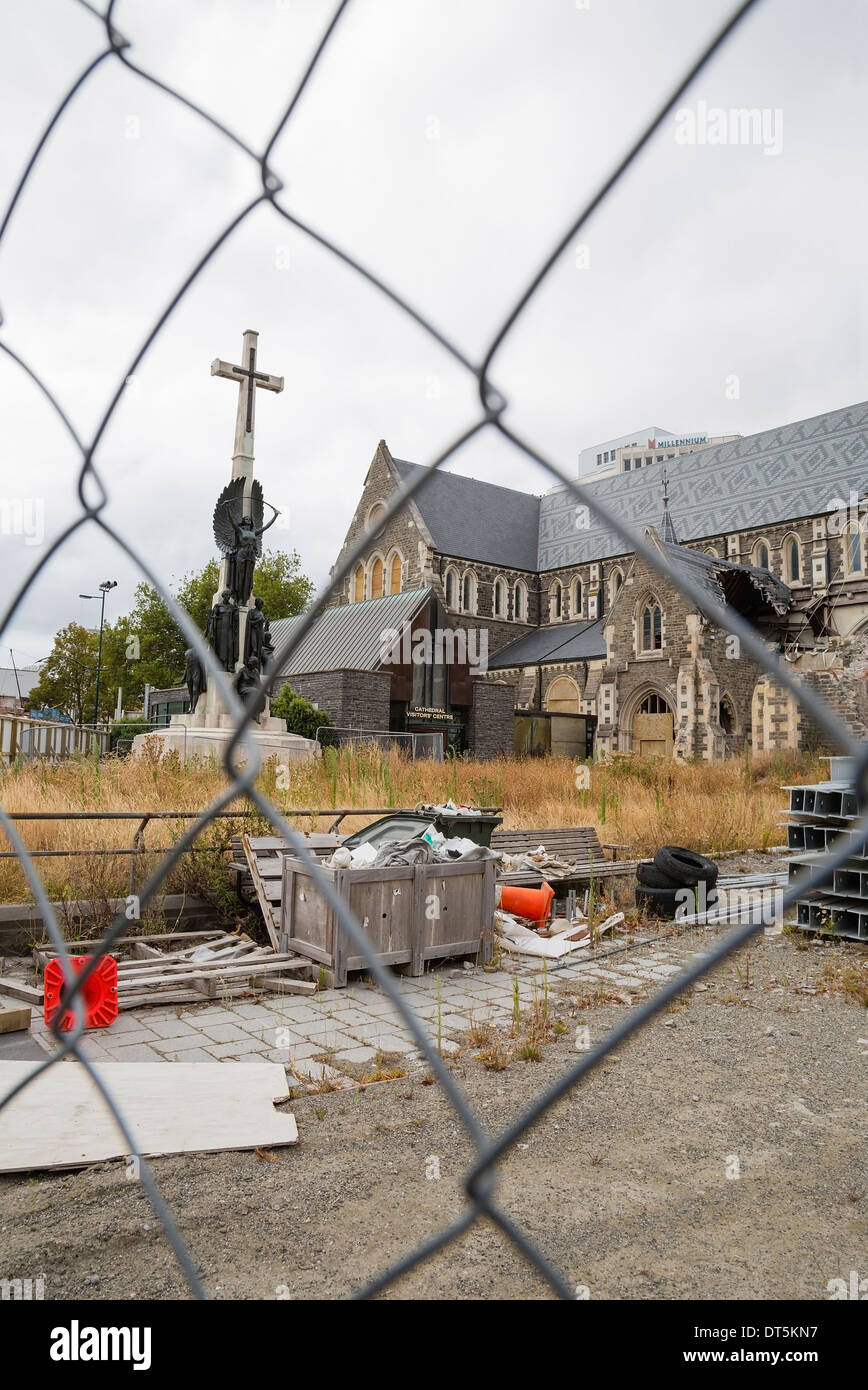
(381, 1072)
(495, 1057)
(478, 1034)
(848, 978)
(717, 807)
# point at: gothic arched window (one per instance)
(377, 578)
(468, 593)
(652, 627)
(499, 602)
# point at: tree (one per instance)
(67, 680)
(301, 716)
(147, 647)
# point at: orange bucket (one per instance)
(532, 903)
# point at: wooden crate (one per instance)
(410, 914)
(383, 900)
(455, 911)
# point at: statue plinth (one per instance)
(200, 741)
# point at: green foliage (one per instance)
(301, 716)
(146, 646)
(67, 680)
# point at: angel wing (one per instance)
(256, 512)
(227, 514)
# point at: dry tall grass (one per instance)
(642, 803)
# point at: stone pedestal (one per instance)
(215, 719)
(198, 741)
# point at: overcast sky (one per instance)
(447, 144)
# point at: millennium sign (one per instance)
(676, 443)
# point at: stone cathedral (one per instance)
(540, 635)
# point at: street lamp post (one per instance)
(104, 588)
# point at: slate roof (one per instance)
(348, 638)
(558, 642)
(478, 521)
(793, 471)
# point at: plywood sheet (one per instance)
(61, 1121)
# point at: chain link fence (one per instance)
(480, 1181)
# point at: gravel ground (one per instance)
(624, 1184)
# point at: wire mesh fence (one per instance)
(412, 745)
(480, 1181)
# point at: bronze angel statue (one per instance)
(238, 533)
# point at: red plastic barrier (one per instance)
(100, 992)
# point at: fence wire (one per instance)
(480, 1180)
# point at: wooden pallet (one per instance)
(264, 855)
(234, 965)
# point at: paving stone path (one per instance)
(338, 1036)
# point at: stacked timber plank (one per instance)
(208, 965)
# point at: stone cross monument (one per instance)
(238, 529)
(238, 632)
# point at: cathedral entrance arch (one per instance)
(651, 725)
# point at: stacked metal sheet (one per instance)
(820, 821)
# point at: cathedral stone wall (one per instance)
(491, 723)
(403, 533)
(351, 699)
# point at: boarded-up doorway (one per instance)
(562, 696)
(653, 734)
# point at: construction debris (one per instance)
(14, 1018)
(208, 966)
(516, 935)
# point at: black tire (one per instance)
(649, 876)
(685, 867)
(659, 902)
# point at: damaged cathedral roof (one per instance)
(745, 587)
